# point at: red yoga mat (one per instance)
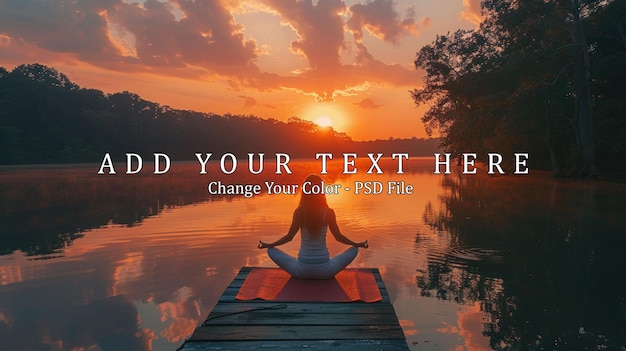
(274, 284)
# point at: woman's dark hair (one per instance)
(313, 206)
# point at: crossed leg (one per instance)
(326, 270)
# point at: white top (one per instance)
(313, 249)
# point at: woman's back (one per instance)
(313, 249)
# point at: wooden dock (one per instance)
(282, 325)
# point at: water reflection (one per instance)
(44, 209)
(543, 259)
(470, 262)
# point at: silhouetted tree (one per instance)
(533, 77)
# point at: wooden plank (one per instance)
(306, 307)
(338, 345)
(296, 332)
(284, 318)
(275, 325)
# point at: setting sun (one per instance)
(324, 121)
(327, 115)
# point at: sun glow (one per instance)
(327, 115)
(324, 121)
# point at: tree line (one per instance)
(46, 118)
(539, 76)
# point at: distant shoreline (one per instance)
(96, 164)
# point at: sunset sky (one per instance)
(344, 63)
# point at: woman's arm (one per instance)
(334, 229)
(293, 229)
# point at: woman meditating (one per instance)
(313, 217)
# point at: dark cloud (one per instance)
(367, 103)
(205, 37)
(76, 28)
(249, 101)
(380, 19)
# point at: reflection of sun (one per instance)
(324, 121)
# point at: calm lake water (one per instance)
(471, 262)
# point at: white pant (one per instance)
(325, 270)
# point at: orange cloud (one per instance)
(471, 329)
(472, 11)
(249, 101)
(179, 329)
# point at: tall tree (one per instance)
(523, 80)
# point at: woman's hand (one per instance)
(263, 245)
(362, 244)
